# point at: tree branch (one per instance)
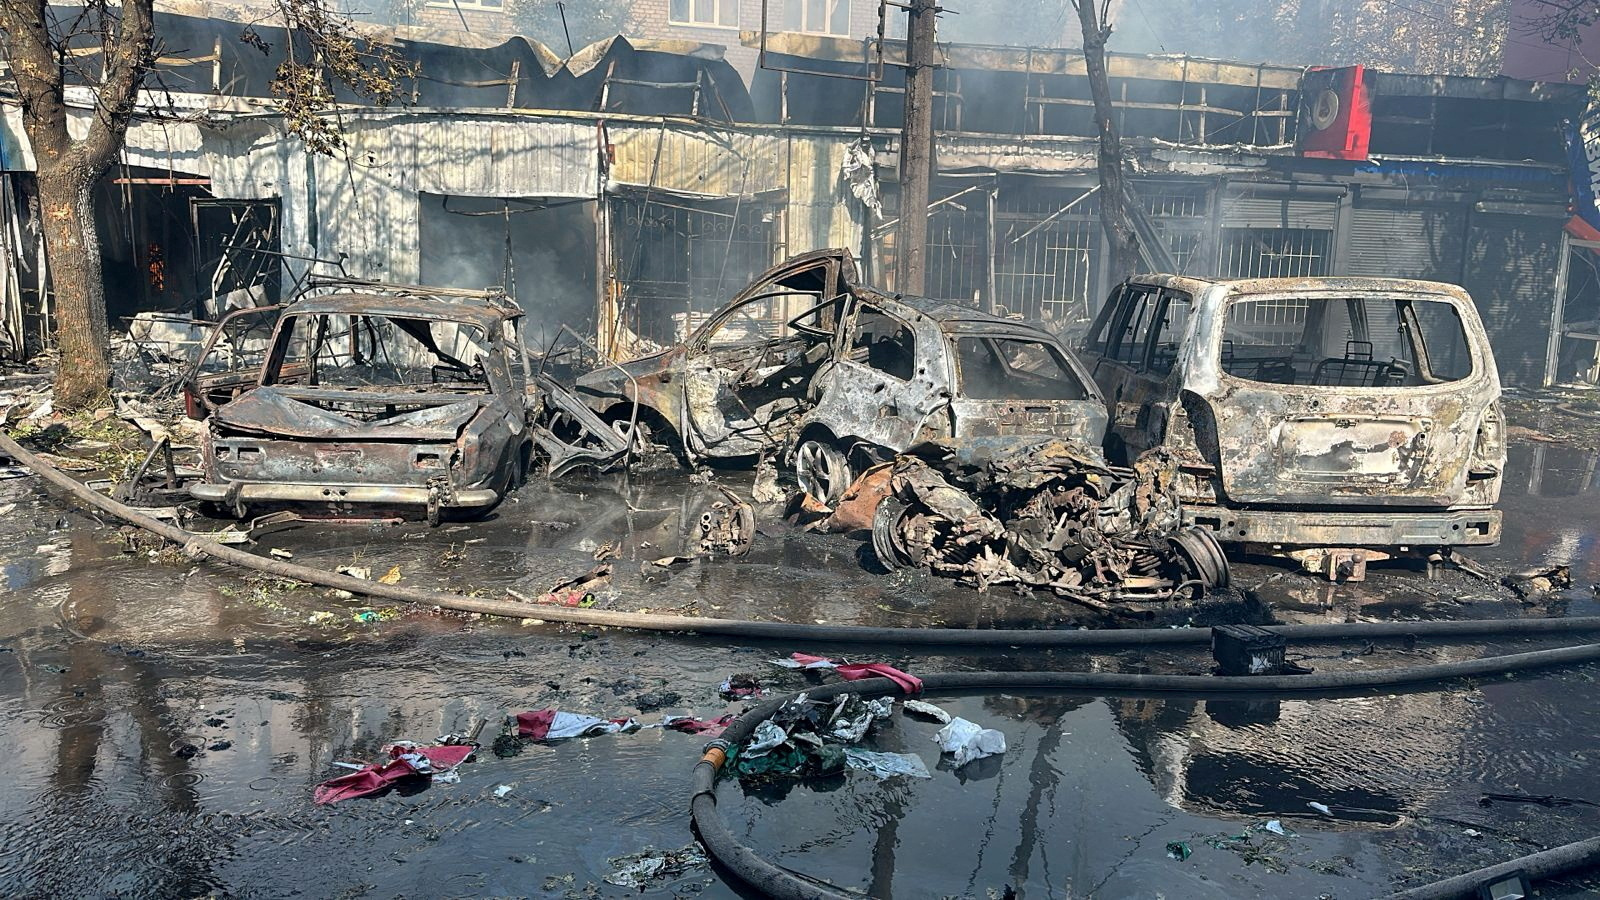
(127, 61)
(36, 68)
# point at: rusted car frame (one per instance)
(374, 396)
(836, 375)
(1333, 420)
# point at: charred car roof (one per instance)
(484, 311)
(952, 316)
(1338, 283)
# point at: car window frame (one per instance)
(848, 339)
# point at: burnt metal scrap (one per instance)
(728, 527)
(1046, 514)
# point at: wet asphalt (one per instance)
(164, 722)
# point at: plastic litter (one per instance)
(767, 737)
(926, 710)
(886, 765)
(1274, 826)
(968, 741)
(1320, 807)
(649, 866)
(852, 718)
(501, 791)
(1178, 850)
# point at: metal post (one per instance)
(916, 147)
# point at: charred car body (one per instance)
(373, 396)
(1334, 420)
(805, 361)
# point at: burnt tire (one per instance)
(1202, 556)
(885, 535)
(822, 470)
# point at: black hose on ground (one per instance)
(199, 545)
(774, 881)
(1537, 866)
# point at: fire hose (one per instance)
(778, 882)
(199, 545)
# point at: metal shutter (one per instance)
(1425, 242)
(1253, 210)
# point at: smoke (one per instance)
(551, 266)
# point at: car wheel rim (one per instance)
(820, 469)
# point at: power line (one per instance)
(1149, 25)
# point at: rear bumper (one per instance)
(1293, 528)
(378, 494)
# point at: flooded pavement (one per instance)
(165, 722)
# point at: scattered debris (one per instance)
(553, 725)
(740, 687)
(765, 489)
(650, 701)
(692, 725)
(926, 710)
(911, 684)
(651, 866)
(728, 527)
(1529, 585)
(803, 737)
(1052, 517)
(886, 765)
(967, 741)
(579, 591)
(406, 760)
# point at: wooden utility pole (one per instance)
(916, 147)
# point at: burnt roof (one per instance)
(484, 311)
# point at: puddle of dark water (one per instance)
(114, 665)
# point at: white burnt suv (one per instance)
(1332, 420)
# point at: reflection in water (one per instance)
(175, 723)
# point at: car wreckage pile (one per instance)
(1052, 516)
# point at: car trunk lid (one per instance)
(1404, 447)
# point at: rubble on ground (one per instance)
(1047, 514)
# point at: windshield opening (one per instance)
(1346, 342)
(998, 368)
(353, 351)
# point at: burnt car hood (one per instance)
(272, 411)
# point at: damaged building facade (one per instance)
(629, 190)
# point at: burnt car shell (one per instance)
(458, 441)
(1311, 412)
(816, 371)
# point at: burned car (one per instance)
(808, 363)
(1333, 420)
(370, 397)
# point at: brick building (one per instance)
(721, 21)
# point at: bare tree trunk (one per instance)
(66, 200)
(1124, 244)
(68, 170)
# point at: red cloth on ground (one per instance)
(535, 725)
(375, 778)
(909, 683)
(689, 725)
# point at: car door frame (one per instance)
(696, 349)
